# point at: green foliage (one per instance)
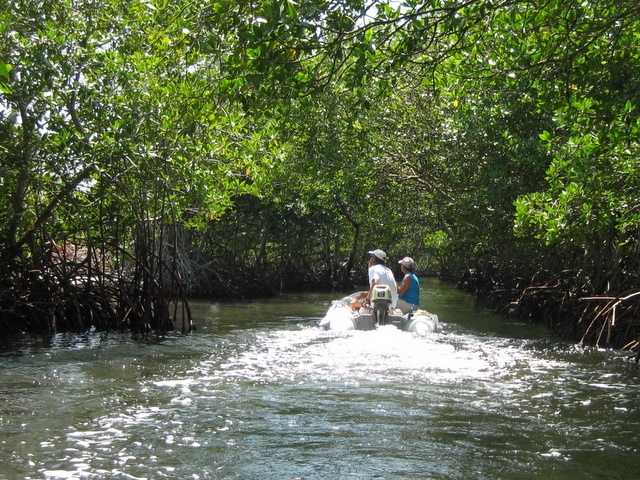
(592, 180)
(452, 130)
(4, 77)
(90, 90)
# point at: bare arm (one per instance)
(404, 286)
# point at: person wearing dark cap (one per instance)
(409, 288)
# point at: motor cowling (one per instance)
(381, 301)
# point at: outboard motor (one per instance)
(381, 301)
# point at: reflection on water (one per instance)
(260, 392)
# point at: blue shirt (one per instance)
(412, 295)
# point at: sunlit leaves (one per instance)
(125, 89)
(189, 105)
(4, 77)
(592, 180)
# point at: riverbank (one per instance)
(589, 320)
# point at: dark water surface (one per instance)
(259, 392)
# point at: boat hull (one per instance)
(341, 317)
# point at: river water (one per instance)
(260, 392)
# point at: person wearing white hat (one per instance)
(380, 274)
(409, 288)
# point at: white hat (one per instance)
(408, 262)
(379, 254)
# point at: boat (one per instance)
(342, 317)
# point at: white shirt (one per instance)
(384, 275)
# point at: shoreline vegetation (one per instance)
(590, 321)
(82, 291)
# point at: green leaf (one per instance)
(292, 10)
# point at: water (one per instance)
(259, 392)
